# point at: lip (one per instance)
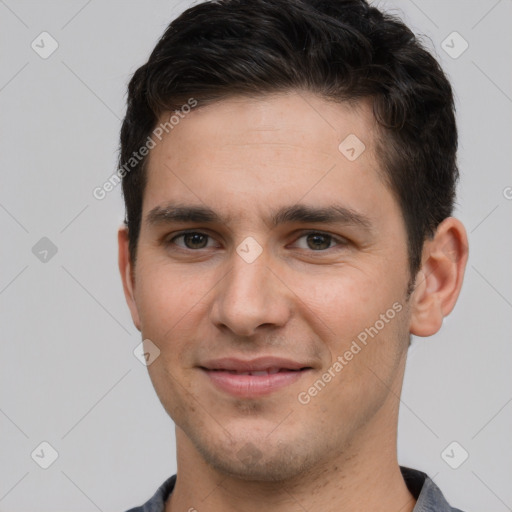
(227, 375)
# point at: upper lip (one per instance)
(253, 365)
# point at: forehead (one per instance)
(293, 118)
(241, 151)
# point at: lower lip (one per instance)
(252, 385)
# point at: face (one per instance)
(276, 292)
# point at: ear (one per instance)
(439, 280)
(127, 274)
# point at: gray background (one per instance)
(68, 373)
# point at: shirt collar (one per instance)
(429, 497)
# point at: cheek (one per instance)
(167, 295)
(340, 304)
(170, 308)
(360, 317)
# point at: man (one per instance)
(289, 171)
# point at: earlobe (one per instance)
(127, 274)
(440, 278)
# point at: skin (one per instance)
(303, 298)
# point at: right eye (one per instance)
(192, 240)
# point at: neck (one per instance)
(365, 476)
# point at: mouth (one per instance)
(253, 378)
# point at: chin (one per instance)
(257, 461)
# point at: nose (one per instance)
(251, 297)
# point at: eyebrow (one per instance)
(171, 212)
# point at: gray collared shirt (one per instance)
(428, 495)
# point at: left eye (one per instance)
(319, 241)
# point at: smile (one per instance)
(258, 377)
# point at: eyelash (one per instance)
(339, 241)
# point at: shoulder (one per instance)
(157, 502)
(427, 494)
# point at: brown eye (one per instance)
(318, 241)
(195, 240)
(192, 240)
